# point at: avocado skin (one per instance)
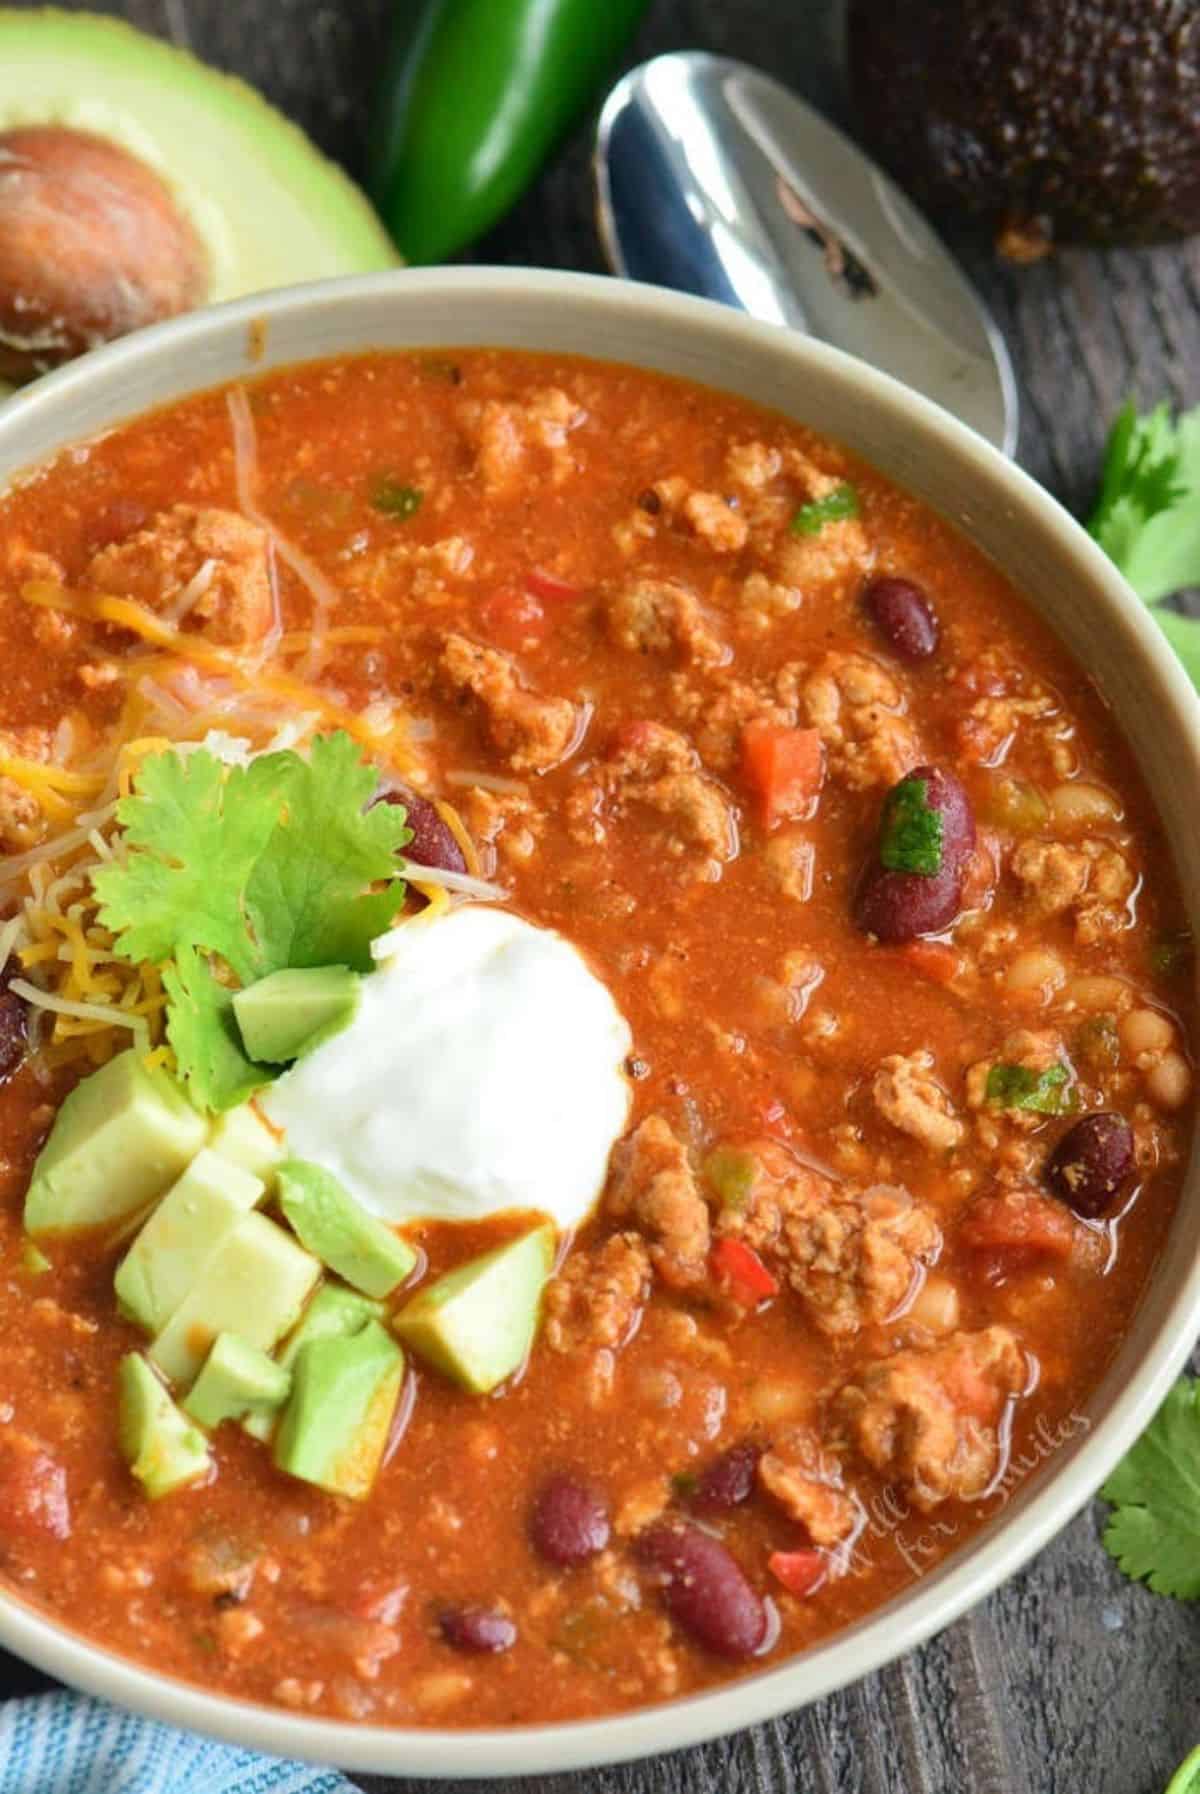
(1055, 121)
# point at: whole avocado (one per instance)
(1056, 121)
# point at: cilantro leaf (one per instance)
(193, 831)
(204, 1035)
(284, 862)
(1017, 1087)
(392, 499)
(1154, 1529)
(1147, 517)
(912, 834)
(835, 507)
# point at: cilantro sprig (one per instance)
(224, 874)
(911, 837)
(835, 507)
(1154, 1529)
(1040, 1092)
(1147, 517)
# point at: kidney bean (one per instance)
(1091, 1162)
(479, 1631)
(898, 906)
(729, 1479)
(569, 1521)
(704, 1589)
(14, 1024)
(433, 842)
(903, 615)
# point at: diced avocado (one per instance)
(162, 1448)
(208, 1202)
(34, 1260)
(288, 1013)
(477, 1323)
(119, 1140)
(245, 1137)
(254, 1284)
(339, 1230)
(334, 1313)
(335, 1427)
(237, 1379)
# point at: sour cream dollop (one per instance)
(483, 1071)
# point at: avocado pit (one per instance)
(92, 246)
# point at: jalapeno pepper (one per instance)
(476, 95)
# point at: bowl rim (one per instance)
(1044, 1506)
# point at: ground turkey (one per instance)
(807, 1484)
(907, 1094)
(852, 1255)
(660, 616)
(653, 1184)
(532, 732)
(859, 709)
(931, 1421)
(223, 552)
(655, 768)
(596, 1300)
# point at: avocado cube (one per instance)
(334, 1430)
(334, 1312)
(237, 1379)
(477, 1323)
(327, 1219)
(162, 1448)
(208, 1202)
(286, 1014)
(121, 1137)
(254, 1284)
(245, 1137)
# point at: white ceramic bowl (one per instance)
(1066, 577)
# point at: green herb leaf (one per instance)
(912, 831)
(835, 507)
(204, 1035)
(1171, 953)
(395, 500)
(1017, 1087)
(1154, 1530)
(1147, 518)
(284, 862)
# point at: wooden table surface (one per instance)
(1068, 1680)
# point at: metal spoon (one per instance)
(714, 179)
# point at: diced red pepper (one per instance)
(932, 959)
(801, 1572)
(784, 767)
(33, 1493)
(740, 1268)
(513, 619)
(549, 587)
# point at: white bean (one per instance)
(1035, 973)
(1075, 804)
(1169, 1083)
(1096, 993)
(1145, 1031)
(935, 1305)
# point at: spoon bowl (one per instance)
(714, 179)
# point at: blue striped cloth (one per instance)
(67, 1744)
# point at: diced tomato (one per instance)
(1022, 1227)
(740, 1268)
(932, 959)
(514, 619)
(379, 1600)
(784, 767)
(33, 1493)
(801, 1572)
(549, 587)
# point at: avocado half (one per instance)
(1056, 121)
(267, 208)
